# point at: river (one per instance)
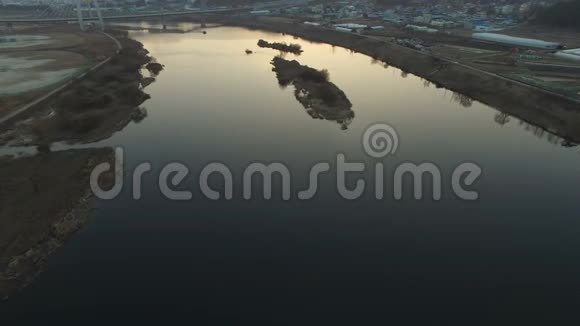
(512, 253)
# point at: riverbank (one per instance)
(92, 108)
(550, 111)
(44, 200)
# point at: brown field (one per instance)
(34, 70)
(67, 53)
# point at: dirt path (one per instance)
(43, 98)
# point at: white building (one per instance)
(351, 26)
(343, 29)
(421, 29)
(573, 54)
(425, 19)
(515, 41)
(260, 12)
(443, 23)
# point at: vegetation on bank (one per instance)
(115, 87)
(94, 108)
(284, 47)
(155, 68)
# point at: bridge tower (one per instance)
(88, 6)
(202, 6)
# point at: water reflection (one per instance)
(501, 118)
(464, 100)
(557, 126)
(550, 137)
(564, 135)
(378, 62)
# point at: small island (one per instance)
(321, 98)
(284, 47)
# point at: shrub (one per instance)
(327, 95)
(316, 76)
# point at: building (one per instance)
(421, 29)
(443, 23)
(343, 29)
(515, 41)
(572, 54)
(355, 27)
(392, 17)
(424, 19)
(260, 12)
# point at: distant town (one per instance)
(476, 15)
(534, 44)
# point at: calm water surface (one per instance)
(512, 255)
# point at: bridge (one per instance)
(115, 16)
(90, 10)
